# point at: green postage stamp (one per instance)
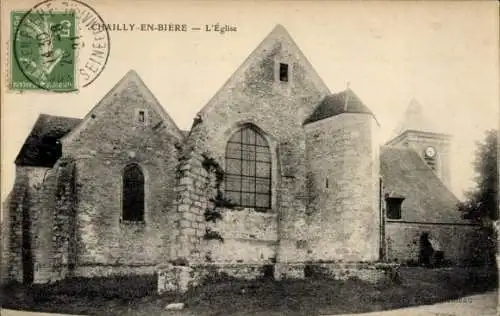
(43, 50)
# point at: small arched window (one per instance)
(133, 193)
(248, 169)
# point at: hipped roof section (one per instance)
(343, 102)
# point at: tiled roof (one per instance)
(40, 148)
(343, 102)
(405, 173)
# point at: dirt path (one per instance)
(474, 305)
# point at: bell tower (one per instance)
(418, 132)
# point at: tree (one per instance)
(481, 204)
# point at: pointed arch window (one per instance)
(248, 169)
(133, 194)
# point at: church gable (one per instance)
(128, 110)
(276, 69)
(275, 89)
(253, 129)
(125, 151)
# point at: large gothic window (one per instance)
(248, 169)
(133, 193)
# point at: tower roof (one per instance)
(343, 102)
(414, 119)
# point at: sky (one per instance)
(443, 54)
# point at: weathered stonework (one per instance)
(325, 195)
(343, 212)
(365, 271)
(104, 238)
(249, 237)
(181, 278)
(403, 241)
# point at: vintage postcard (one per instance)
(249, 158)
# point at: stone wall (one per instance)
(5, 239)
(343, 182)
(403, 240)
(12, 230)
(96, 270)
(365, 271)
(46, 237)
(50, 203)
(23, 203)
(254, 95)
(195, 185)
(181, 278)
(249, 237)
(111, 138)
(64, 231)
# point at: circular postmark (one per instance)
(57, 47)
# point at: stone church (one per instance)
(276, 170)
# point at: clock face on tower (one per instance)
(430, 152)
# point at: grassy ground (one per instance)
(260, 297)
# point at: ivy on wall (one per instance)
(219, 202)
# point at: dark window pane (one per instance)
(133, 194)
(283, 72)
(233, 150)
(233, 166)
(263, 169)
(141, 117)
(263, 185)
(248, 168)
(262, 156)
(236, 138)
(244, 174)
(248, 184)
(394, 208)
(260, 141)
(248, 136)
(248, 152)
(262, 200)
(234, 197)
(248, 199)
(233, 183)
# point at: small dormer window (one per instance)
(283, 72)
(393, 206)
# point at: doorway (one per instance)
(426, 251)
